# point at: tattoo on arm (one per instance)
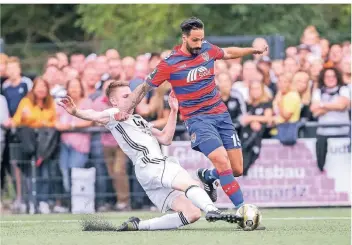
(138, 94)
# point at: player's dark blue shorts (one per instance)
(209, 132)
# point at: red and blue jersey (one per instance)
(192, 80)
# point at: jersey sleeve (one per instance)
(112, 120)
(160, 74)
(217, 52)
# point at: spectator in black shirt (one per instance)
(232, 99)
(255, 122)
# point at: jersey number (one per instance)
(236, 140)
(139, 123)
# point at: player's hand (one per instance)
(121, 116)
(260, 50)
(68, 104)
(173, 101)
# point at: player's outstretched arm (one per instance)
(167, 134)
(235, 52)
(137, 95)
(102, 117)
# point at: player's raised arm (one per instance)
(102, 117)
(160, 74)
(167, 134)
(236, 52)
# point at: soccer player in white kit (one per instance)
(167, 184)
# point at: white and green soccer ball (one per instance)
(251, 217)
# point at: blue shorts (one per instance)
(209, 132)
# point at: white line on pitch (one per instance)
(76, 220)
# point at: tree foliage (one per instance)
(135, 28)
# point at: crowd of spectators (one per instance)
(312, 83)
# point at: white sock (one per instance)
(166, 222)
(200, 198)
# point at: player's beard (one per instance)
(193, 51)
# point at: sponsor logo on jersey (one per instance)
(205, 56)
(197, 73)
(193, 137)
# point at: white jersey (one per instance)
(135, 138)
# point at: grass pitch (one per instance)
(283, 227)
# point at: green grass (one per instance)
(301, 227)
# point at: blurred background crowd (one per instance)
(311, 83)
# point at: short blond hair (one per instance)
(115, 84)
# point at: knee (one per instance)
(193, 214)
(221, 162)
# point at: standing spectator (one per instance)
(291, 65)
(325, 47)
(278, 67)
(15, 89)
(90, 78)
(96, 155)
(311, 38)
(291, 52)
(128, 65)
(74, 148)
(112, 54)
(302, 85)
(57, 81)
(37, 110)
(315, 69)
(115, 69)
(63, 60)
(52, 61)
(346, 49)
(154, 60)
(303, 54)
(77, 62)
(287, 103)
(115, 158)
(16, 86)
(232, 99)
(330, 105)
(70, 73)
(220, 66)
(235, 71)
(4, 116)
(335, 56)
(249, 72)
(346, 71)
(3, 75)
(255, 121)
(269, 78)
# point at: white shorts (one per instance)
(156, 180)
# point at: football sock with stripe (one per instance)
(166, 222)
(231, 187)
(200, 198)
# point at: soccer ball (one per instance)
(251, 217)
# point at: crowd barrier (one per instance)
(283, 176)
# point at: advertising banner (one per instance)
(284, 176)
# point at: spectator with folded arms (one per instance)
(330, 104)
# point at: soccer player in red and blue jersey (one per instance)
(190, 70)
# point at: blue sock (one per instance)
(211, 174)
(231, 187)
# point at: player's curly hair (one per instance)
(192, 23)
